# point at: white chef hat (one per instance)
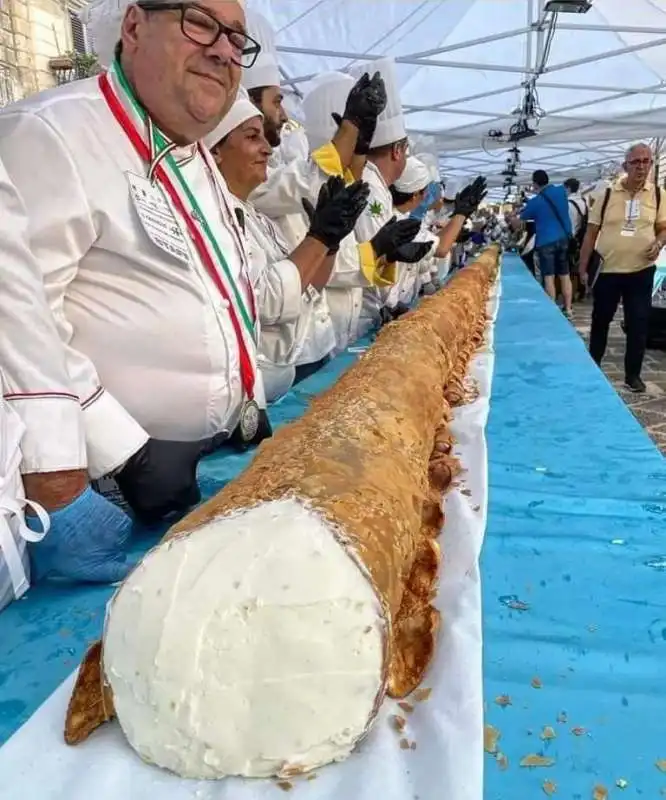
(103, 20)
(265, 70)
(415, 177)
(391, 122)
(327, 96)
(431, 162)
(241, 111)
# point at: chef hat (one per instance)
(391, 123)
(431, 162)
(241, 111)
(415, 177)
(265, 71)
(103, 20)
(327, 96)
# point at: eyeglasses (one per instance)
(202, 28)
(640, 162)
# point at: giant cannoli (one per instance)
(261, 636)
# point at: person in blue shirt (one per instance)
(549, 211)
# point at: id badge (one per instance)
(157, 218)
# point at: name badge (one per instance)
(158, 219)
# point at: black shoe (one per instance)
(635, 385)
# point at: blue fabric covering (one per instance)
(575, 538)
(577, 532)
(548, 227)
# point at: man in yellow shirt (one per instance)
(627, 226)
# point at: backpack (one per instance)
(584, 214)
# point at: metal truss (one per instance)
(467, 145)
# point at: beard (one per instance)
(272, 132)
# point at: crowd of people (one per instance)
(605, 246)
(177, 255)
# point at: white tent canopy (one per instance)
(462, 65)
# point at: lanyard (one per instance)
(157, 153)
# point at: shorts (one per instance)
(553, 259)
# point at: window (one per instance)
(79, 35)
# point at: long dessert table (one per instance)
(574, 592)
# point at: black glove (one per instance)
(470, 198)
(392, 236)
(412, 252)
(161, 479)
(399, 310)
(385, 315)
(366, 101)
(365, 134)
(337, 211)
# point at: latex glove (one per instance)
(337, 211)
(470, 198)
(412, 252)
(366, 101)
(399, 310)
(385, 315)
(161, 479)
(392, 236)
(87, 542)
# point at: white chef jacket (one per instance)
(36, 382)
(355, 265)
(277, 285)
(412, 277)
(148, 342)
(377, 213)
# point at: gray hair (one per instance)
(637, 146)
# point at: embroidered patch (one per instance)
(376, 208)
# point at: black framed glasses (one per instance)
(201, 27)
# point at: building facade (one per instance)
(35, 36)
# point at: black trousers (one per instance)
(528, 261)
(635, 291)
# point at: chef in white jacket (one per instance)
(410, 191)
(262, 79)
(283, 281)
(386, 161)
(145, 272)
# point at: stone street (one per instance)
(648, 408)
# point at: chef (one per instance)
(283, 280)
(359, 264)
(416, 189)
(262, 79)
(142, 261)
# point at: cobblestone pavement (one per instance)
(648, 408)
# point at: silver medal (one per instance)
(249, 421)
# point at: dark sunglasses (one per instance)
(202, 28)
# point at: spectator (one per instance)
(578, 213)
(628, 228)
(549, 210)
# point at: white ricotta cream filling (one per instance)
(252, 647)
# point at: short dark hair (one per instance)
(540, 178)
(257, 95)
(572, 184)
(400, 198)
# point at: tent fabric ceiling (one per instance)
(461, 65)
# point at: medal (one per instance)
(248, 424)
